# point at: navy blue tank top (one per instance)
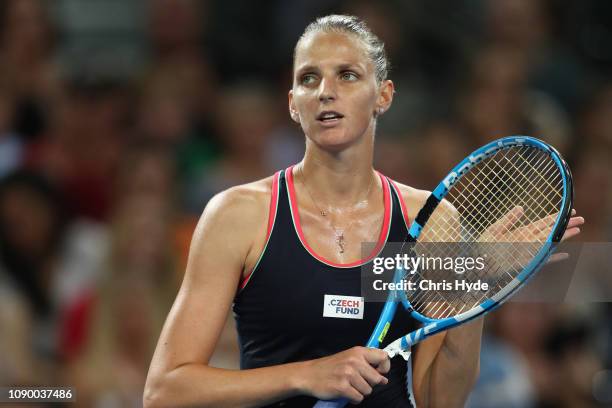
(279, 309)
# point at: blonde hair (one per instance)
(354, 26)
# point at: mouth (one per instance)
(329, 117)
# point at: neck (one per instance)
(340, 177)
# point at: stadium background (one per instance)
(120, 119)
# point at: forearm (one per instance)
(456, 366)
(204, 386)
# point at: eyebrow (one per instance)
(341, 67)
(344, 67)
(306, 68)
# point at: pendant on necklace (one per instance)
(340, 241)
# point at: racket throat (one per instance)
(395, 348)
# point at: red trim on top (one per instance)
(273, 200)
(271, 219)
(402, 203)
(383, 231)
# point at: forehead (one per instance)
(331, 48)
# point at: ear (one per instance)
(292, 110)
(385, 97)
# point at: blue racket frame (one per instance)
(433, 326)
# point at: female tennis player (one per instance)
(286, 253)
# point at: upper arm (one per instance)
(426, 352)
(414, 200)
(221, 242)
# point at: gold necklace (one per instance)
(338, 232)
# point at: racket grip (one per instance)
(337, 403)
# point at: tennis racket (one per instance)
(512, 196)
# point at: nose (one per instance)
(327, 90)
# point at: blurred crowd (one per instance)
(120, 119)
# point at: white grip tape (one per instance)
(395, 348)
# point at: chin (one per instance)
(335, 139)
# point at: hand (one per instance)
(505, 229)
(350, 374)
(572, 229)
(573, 226)
(530, 235)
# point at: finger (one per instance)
(354, 396)
(570, 233)
(550, 220)
(540, 229)
(571, 225)
(361, 385)
(371, 375)
(575, 222)
(535, 232)
(384, 367)
(544, 223)
(506, 223)
(558, 257)
(573, 211)
(375, 357)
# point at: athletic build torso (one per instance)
(297, 306)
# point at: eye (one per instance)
(349, 76)
(307, 79)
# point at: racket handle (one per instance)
(337, 403)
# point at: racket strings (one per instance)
(498, 268)
(487, 212)
(496, 180)
(543, 175)
(468, 183)
(502, 209)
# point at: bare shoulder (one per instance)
(413, 198)
(237, 216)
(223, 237)
(241, 203)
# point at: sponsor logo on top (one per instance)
(343, 307)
